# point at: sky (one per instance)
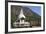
(36, 9)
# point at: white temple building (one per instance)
(21, 14)
(21, 18)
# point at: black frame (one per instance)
(6, 16)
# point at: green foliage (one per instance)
(13, 18)
(32, 18)
(28, 18)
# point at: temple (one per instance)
(21, 16)
(20, 22)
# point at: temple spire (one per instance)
(21, 14)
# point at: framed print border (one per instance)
(6, 16)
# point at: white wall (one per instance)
(2, 18)
(28, 0)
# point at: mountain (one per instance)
(27, 11)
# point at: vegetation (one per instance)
(33, 17)
(13, 19)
